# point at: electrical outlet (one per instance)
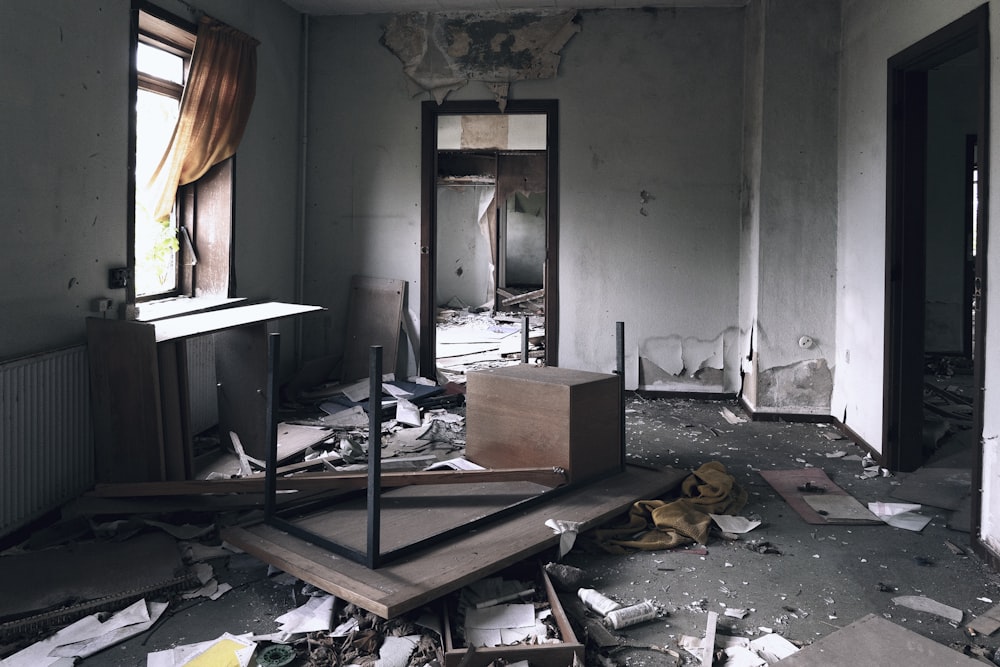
(118, 278)
(101, 305)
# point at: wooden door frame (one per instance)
(905, 241)
(430, 110)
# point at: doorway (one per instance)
(489, 234)
(936, 243)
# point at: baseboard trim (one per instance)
(701, 395)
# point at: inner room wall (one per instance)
(650, 171)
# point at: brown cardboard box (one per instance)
(567, 653)
(540, 416)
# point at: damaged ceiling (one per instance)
(333, 7)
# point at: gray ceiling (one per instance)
(327, 7)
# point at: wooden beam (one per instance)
(527, 296)
(551, 477)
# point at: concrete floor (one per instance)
(824, 577)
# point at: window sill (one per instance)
(147, 311)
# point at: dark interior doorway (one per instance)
(936, 241)
(489, 216)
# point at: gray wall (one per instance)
(650, 101)
(64, 133)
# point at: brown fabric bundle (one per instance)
(668, 524)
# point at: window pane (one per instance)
(155, 242)
(156, 62)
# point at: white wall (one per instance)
(872, 33)
(64, 127)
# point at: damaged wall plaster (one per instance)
(673, 363)
(802, 385)
(442, 52)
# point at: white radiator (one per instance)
(46, 439)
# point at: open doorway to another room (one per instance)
(489, 237)
(935, 264)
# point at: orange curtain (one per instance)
(214, 110)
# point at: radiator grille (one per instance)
(46, 437)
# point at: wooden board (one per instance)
(375, 310)
(241, 370)
(787, 483)
(185, 326)
(125, 401)
(416, 579)
(873, 640)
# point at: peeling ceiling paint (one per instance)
(443, 52)
(343, 7)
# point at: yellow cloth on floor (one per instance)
(668, 524)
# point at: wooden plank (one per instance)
(197, 324)
(241, 371)
(521, 298)
(708, 650)
(416, 579)
(872, 640)
(374, 314)
(325, 481)
(125, 401)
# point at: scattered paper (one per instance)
(88, 636)
(227, 651)
(772, 647)
(567, 531)
(739, 656)
(407, 413)
(396, 651)
(313, 616)
(734, 524)
(500, 624)
(900, 515)
(458, 463)
(730, 416)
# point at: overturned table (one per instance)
(425, 575)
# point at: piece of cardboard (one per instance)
(787, 483)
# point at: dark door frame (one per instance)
(430, 111)
(906, 243)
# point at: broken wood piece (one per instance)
(521, 298)
(551, 477)
(709, 651)
(245, 468)
(926, 604)
(986, 623)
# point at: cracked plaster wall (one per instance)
(788, 312)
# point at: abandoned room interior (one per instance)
(670, 320)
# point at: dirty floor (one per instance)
(800, 580)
